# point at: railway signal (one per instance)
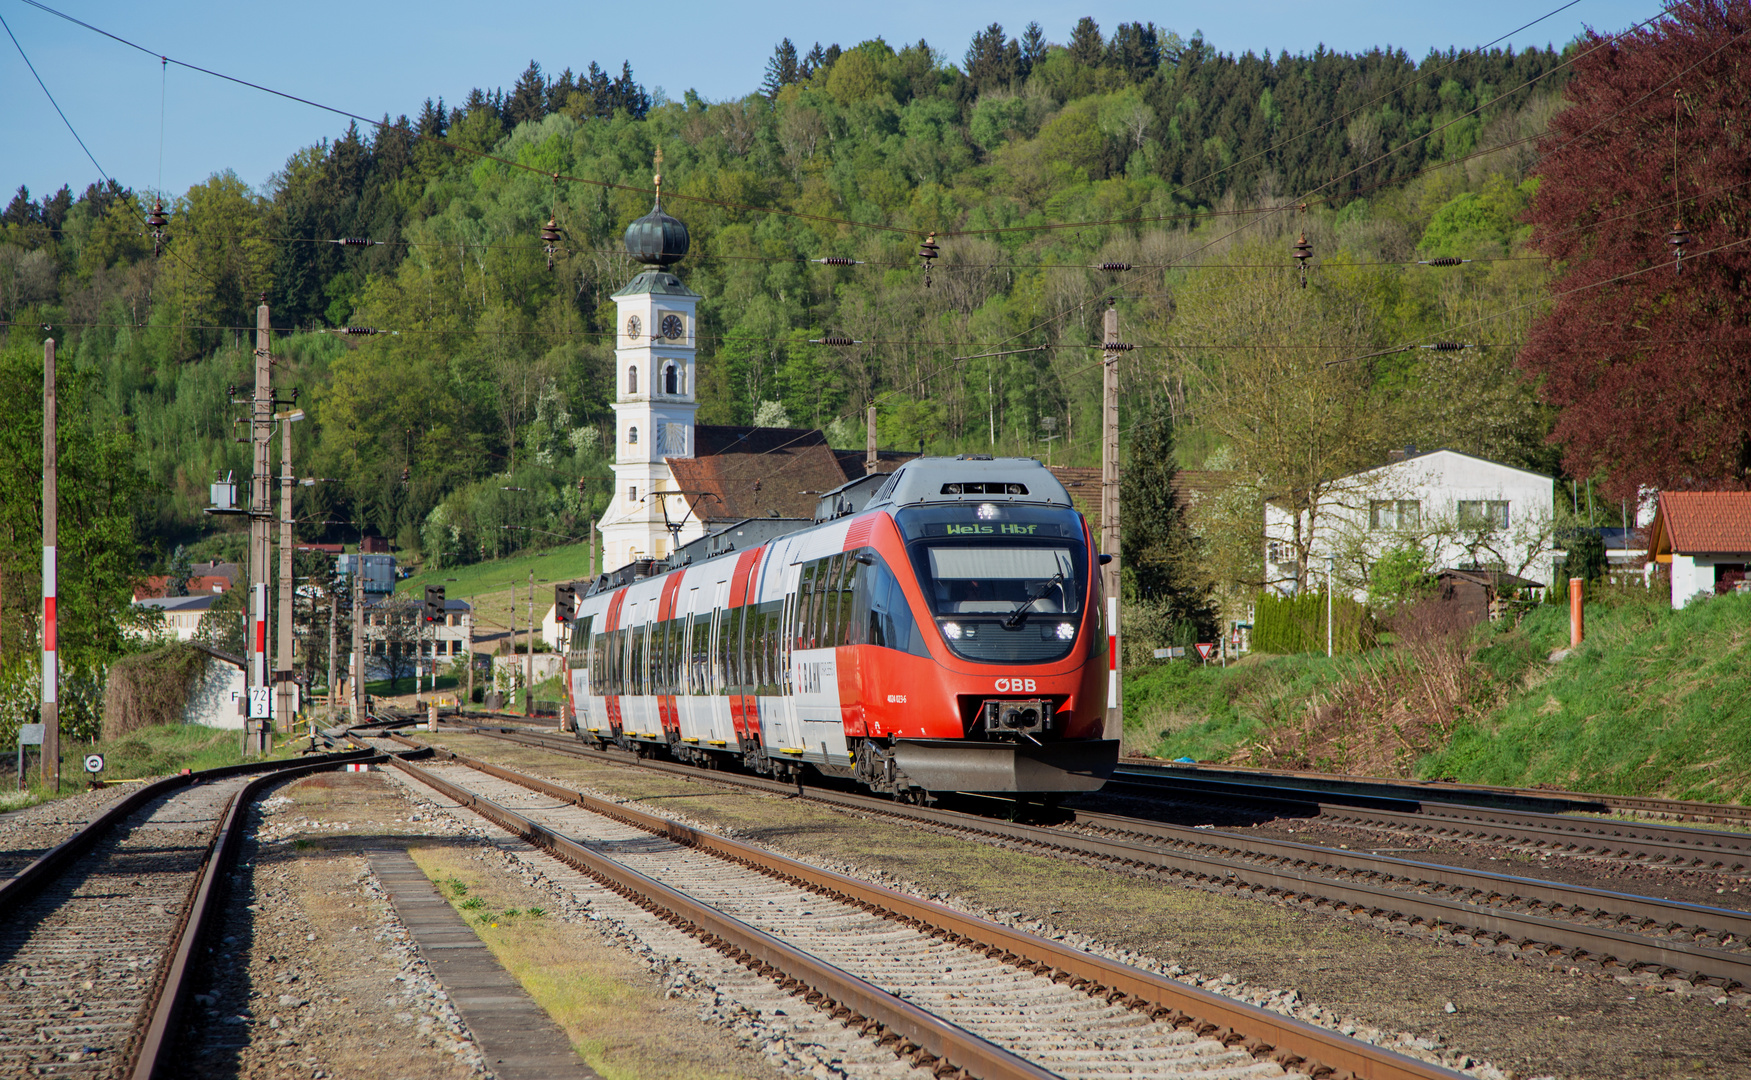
(565, 603)
(434, 603)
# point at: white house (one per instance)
(1464, 512)
(1704, 539)
(182, 614)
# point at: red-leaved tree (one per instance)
(1647, 358)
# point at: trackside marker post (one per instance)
(51, 707)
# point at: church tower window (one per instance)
(632, 379)
(632, 435)
(670, 380)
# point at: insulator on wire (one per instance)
(157, 221)
(551, 236)
(1115, 266)
(1301, 251)
(1446, 346)
(838, 260)
(358, 331)
(832, 340)
(357, 241)
(1445, 260)
(1678, 239)
(928, 251)
(1115, 346)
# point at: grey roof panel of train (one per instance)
(971, 479)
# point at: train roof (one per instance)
(971, 477)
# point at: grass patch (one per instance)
(1211, 713)
(605, 1002)
(1655, 702)
(493, 586)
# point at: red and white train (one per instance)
(945, 637)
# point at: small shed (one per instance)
(1483, 594)
(1704, 539)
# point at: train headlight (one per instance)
(952, 631)
(1066, 631)
(987, 511)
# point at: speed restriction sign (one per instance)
(93, 763)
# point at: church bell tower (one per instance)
(654, 399)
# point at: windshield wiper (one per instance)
(1020, 614)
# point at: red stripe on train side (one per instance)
(744, 714)
(858, 535)
(666, 604)
(612, 701)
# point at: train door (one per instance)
(716, 726)
(815, 686)
(694, 619)
(778, 720)
(577, 660)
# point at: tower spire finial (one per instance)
(658, 174)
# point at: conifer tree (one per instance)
(528, 100)
(1159, 552)
(1086, 46)
(1033, 48)
(781, 70)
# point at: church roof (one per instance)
(656, 283)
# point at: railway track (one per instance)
(1535, 919)
(944, 991)
(98, 935)
(1674, 846)
(1536, 800)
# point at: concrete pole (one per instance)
(529, 655)
(51, 706)
(358, 584)
(1109, 517)
(510, 670)
(592, 549)
(1328, 565)
(285, 694)
(870, 456)
(468, 624)
(333, 614)
(260, 535)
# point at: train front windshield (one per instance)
(1005, 583)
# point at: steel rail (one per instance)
(1300, 878)
(1532, 799)
(145, 1055)
(831, 987)
(1675, 845)
(150, 1056)
(1293, 1043)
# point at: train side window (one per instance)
(829, 589)
(848, 593)
(805, 596)
(701, 652)
(771, 640)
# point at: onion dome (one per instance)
(656, 239)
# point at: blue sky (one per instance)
(376, 58)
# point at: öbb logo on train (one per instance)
(1020, 686)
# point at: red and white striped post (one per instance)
(51, 708)
(259, 652)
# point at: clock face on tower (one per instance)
(672, 327)
(633, 327)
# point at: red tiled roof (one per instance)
(1689, 522)
(743, 472)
